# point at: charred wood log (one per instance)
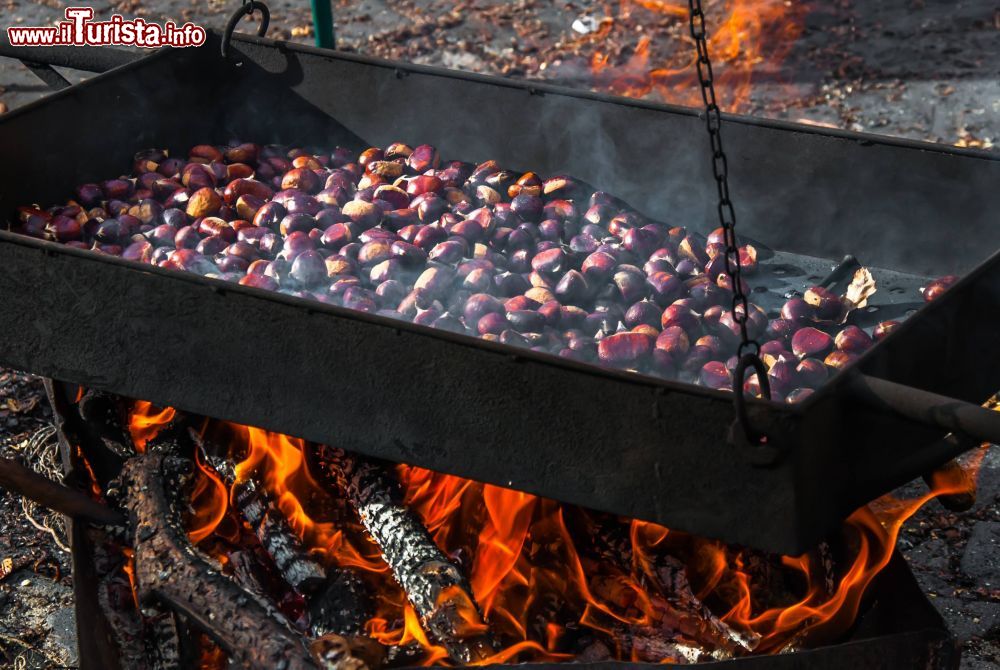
(165, 640)
(651, 645)
(171, 572)
(341, 606)
(106, 416)
(77, 438)
(116, 600)
(16, 477)
(297, 567)
(678, 592)
(434, 586)
(679, 613)
(248, 570)
(339, 602)
(953, 476)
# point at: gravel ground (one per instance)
(923, 69)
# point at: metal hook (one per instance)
(246, 9)
(755, 444)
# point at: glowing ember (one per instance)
(556, 580)
(745, 36)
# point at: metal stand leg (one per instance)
(323, 24)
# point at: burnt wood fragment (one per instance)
(300, 570)
(678, 593)
(339, 602)
(165, 640)
(434, 586)
(342, 605)
(171, 572)
(107, 417)
(115, 598)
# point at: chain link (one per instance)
(720, 168)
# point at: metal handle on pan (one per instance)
(929, 409)
(970, 426)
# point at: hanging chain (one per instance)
(720, 167)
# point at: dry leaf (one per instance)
(856, 296)
(861, 288)
(6, 567)
(18, 408)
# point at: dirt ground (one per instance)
(923, 69)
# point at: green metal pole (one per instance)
(323, 23)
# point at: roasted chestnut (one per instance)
(826, 303)
(811, 372)
(811, 342)
(853, 340)
(798, 395)
(936, 288)
(203, 202)
(715, 375)
(683, 317)
(624, 349)
(643, 312)
(883, 329)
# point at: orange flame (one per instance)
(147, 421)
(743, 35)
(209, 502)
(543, 571)
(128, 567)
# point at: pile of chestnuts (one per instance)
(543, 263)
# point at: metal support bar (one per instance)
(21, 479)
(929, 409)
(322, 13)
(87, 59)
(48, 75)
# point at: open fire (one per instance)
(749, 39)
(544, 581)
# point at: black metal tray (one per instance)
(633, 445)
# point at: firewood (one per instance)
(651, 645)
(339, 602)
(434, 586)
(341, 606)
(171, 572)
(301, 571)
(678, 610)
(164, 638)
(678, 592)
(114, 597)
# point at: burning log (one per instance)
(341, 606)
(434, 586)
(116, 600)
(164, 642)
(338, 599)
(954, 476)
(678, 610)
(297, 568)
(678, 592)
(170, 571)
